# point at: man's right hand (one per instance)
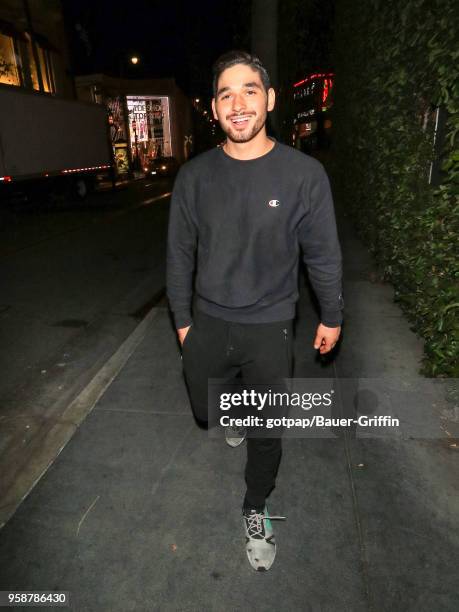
(181, 333)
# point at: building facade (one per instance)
(33, 47)
(149, 118)
(312, 102)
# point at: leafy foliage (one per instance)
(395, 63)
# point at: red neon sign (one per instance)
(314, 76)
(326, 89)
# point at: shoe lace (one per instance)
(255, 523)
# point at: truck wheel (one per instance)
(80, 188)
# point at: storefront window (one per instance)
(46, 69)
(30, 67)
(149, 128)
(116, 119)
(18, 66)
(8, 64)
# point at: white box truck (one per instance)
(48, 143)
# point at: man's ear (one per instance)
(213, 109)
(271, 99)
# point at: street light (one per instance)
(123, 63)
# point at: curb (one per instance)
(63, 429)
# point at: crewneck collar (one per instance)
(253, 159)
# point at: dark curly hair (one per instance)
(231, 58)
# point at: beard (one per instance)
(249, 133)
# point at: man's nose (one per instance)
(238, 102)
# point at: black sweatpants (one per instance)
(262, 354)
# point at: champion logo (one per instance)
(274, 203)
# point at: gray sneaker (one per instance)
(235, 435)
(260, 541)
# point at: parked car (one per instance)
(163, 166)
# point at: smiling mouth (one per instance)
(240, 121)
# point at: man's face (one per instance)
(241, 104)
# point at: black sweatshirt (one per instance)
(240, 225)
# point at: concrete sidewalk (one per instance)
(141, 510)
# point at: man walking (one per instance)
(239, 215)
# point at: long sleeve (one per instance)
(318, 238)
(181, 249)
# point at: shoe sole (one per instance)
(260, 569)
(237, 442)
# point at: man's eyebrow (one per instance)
(246, 85)
(222, 90)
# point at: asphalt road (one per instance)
(76, 279)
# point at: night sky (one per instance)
(171, 38)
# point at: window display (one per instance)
(8, 64)
(149, 128)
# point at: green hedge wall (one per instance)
(395, 63)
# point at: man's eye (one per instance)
(251, 91)
(224, 97)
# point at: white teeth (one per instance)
(240, 119)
